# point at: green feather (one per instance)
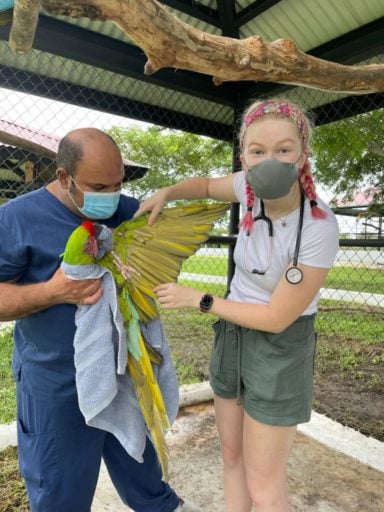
(74, 253)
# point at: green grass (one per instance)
(210, 265)
(13, 495)
(360, 326)
(350, 346)
(7, 384)
(356, 279)
(343, 278)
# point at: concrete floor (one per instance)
(321, 479)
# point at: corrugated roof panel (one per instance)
(310, 23)
(242, 4)
(114, 83)
(195, 22)
(309, 98)
(106, 28)
(8, 175)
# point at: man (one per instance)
(59, 455)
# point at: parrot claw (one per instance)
(125, 270)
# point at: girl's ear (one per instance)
(304, 157)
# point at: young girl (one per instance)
(261, 369)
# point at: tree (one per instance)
(350, 156)
(171, 156)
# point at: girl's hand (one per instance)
(153, 204)
(173, 296)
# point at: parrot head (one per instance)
(90, 246)
(87, 243)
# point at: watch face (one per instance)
(294, 275)
(206, 303)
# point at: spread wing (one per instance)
(157, 252)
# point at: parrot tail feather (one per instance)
(151, 403)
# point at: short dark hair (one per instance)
(69, 154)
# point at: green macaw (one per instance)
(140, 258)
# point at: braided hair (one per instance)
(279, 108)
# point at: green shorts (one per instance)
(270, 374)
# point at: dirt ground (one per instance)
(355, 397)
(362, 411)
(320, 480)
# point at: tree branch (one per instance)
(25, 18)
(169, 42)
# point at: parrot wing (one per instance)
(156, 252)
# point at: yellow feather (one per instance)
(156, 253)
(151, 403)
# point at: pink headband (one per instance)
(281, 108)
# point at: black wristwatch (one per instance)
(206, 303)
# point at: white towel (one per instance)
(105, 391)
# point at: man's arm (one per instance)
(18, 300)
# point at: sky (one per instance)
(54, 117)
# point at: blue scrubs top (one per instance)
(34, 229)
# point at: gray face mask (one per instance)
(272, 179)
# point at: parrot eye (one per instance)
(91, 246)
(98, 230)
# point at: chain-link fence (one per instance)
(348, 167)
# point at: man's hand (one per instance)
(63, 289)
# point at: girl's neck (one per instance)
(277, 208)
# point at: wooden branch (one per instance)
(169, 42)
(24, 23)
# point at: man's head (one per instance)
(88, 162)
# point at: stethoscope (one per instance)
(294, 274)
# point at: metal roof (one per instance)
(43, 146)
(98, 56)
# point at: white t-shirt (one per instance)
(318, 248)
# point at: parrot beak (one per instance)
(99, 241)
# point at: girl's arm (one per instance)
(220, 189)
(287, 303)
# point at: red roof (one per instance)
(362, 198)
(44, 144)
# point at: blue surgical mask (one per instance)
(97, 205)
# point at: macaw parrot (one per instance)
(141, 257)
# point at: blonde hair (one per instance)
(282, 109)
